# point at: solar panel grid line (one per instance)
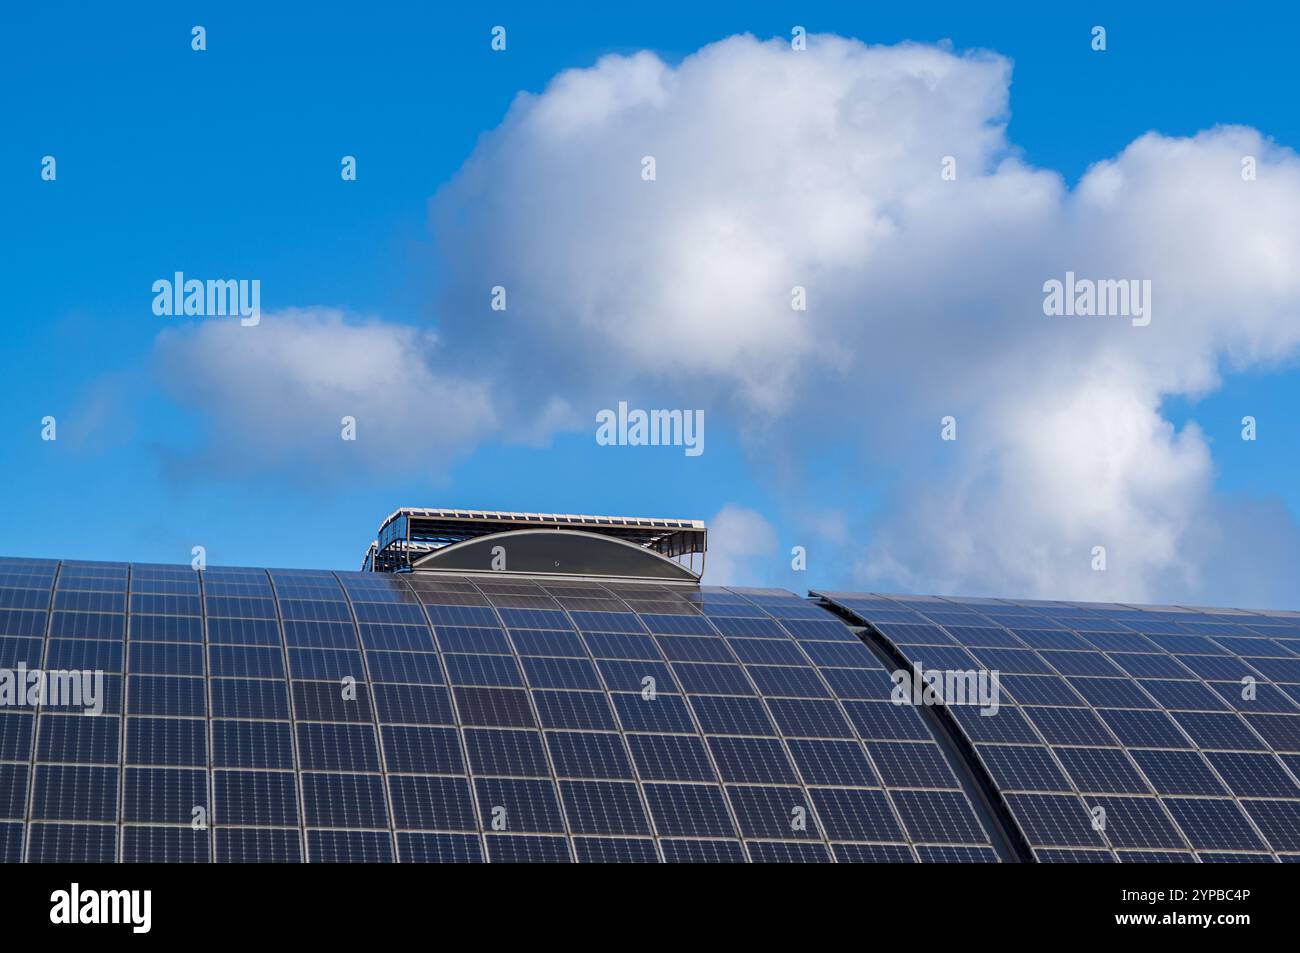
(839, 703)
(1201, 753)
(36, 718)
(961, 728)
(293, 730)
(1132, 762)
(890, 798)
(459, 729)
(208, 728)
(121, 759)
(699, 732)
(1197, 748)
(651, 820)
(1071, 775)
(536, 717)
(641, 782)
(809, 804)
(374, 715)
(1068, 773)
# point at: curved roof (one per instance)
(505, 719)
(1126, 732)
(312, 715)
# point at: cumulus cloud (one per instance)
(277, 392)
(821, 169)
(738, 536)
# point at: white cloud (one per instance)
(277, 392)
(822, 169)
(738, 537)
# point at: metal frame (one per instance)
(409, 533)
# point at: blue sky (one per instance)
(225, 163)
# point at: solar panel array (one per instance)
(1124, 733)
(280, 715)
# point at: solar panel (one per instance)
(1123, 727)
(344, 717)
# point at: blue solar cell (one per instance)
(1253, 775)
(165, 796)
(788, 680)
(731, 715)
(248, 698)
(244, 744)
(685, 648)
(82, 654)
(689, 810)
(757, 760)
(670, 758)
(856, 814)
(506, 752)
(1102, 771)
(1144, 729)
(783, 852)
(886, 721)
(349, 847)
(13, 790)
(1136, 822)
(548, 643)
(165, 845)
(1213, 824)
(267, 798)
(335, 747)
(773, 812)
(518, 805)
(712, 678)
(623, 676)
(911, 764)
(1054, 820)
(418, 749)
(1278, 820)
(419, 668)
(615, 850)
(74, 793)
(939, 816)
(331, 701)
(244, 845)
(413, 848)
(344, 800)
(809, 718)
(603, 807)
(608, 645)
(652, 713)
(256, 661)
(80, 739)
(832, 762)
(16, 732)
(166, 695)
(588, 754)
(522, 849)
(72, 843)
(571, 709)
(872, 854)
(561, 673)
(422, 802)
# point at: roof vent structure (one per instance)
(545, 544)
